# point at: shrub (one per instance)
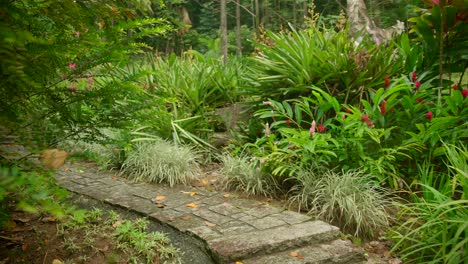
(241, 175)
(347, 199)
(162, 162)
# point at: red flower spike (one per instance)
(383, 107)
(417, 84)
(321, 128)
(429, 115)
(312, 128)
(348, 110)
(369, 123)
(419, 99)
(72, 65)
(455, 87)
(387, 81)
(288, 122)
(365, 118)
(465, 93)
(413, 76)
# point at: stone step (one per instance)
(237, 247)
(335, 252)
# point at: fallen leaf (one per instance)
(209, 224)
(66, 169)
(226, 195)
(300, 257)
(189, 193)
(238, 262)
(114, 178)
(205, 182)
(160, 198)
(293, 254)
(25, 247)
(56, 261)
(49, 219)
(186, 217)
(192, 205)
(116, 224)
(160, 205)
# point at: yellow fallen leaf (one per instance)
(205, 182)
(192, 205)
(293, 254)
(160, 205)
(185, 217)
(189, 193)
(209, 224)
(238, 262)
(160, 198)
(226, 195)
(56, 261)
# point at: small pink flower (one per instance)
(387, 81)
(435, 2)
(312, 128)
(72, 65)
(429, 115)
(365, 118)
(267, 103)
(267, 130)
(417, 84)
(413, 76)
(465, 93)
(383, 107)
(321, 128)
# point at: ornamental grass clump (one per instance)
(161, 162)
(241, 175)
(347, 199)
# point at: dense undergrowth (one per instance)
(339, 128)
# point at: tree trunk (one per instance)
(238, 30)
(224, 44)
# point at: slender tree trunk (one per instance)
(257, 15)
(238, 29)
(224, 44)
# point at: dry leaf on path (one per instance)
(209, 224)
(116, 224)
(160, 198)
(192, 205)
(189, 193)
(226, 195)
(160, 205)
(205, 182)
(238, 262)
(56, 261)
(293, 254)
(186, 217)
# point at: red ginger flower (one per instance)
(465, 93)
(387, 81)
(417, 84)
(321, 128)
(365, 118)
(383, 107)
(369, 123)
(429, 115)
(455, 87)
(413, 76)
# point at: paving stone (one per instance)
(163, 215)
(262, 211)
(205, 232)
(235, 247)
(225, 209)
(212, 216)
(266, 222)
(234, 228)
(292, 217)
(186, 222)
(335, 252)
(247, 218)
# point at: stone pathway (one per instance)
(234, 229)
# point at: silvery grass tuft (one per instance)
(347, 199)
(241, 175)
(162, 162)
